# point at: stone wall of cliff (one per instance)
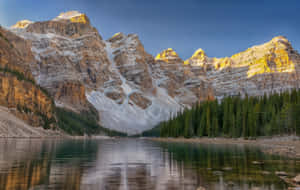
(18, 90)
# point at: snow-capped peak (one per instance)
(68, 15)
(73, 16)
(22, 24)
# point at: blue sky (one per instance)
(220, 27)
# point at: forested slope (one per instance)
(275, 114)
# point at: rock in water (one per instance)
(297, 179)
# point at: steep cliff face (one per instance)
(70, 58)
(18, 90)
(15, 53)
(131, 90)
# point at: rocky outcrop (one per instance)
(139, 100)
(71, 95)
(199, 58)
(179, 80)
(71, 24)
(22, 24)
(18, 90)
(132, 61)
(30, 103)
(168, 56)
(15, 53)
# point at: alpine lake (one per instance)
(138, 164)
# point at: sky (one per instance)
(220, 27)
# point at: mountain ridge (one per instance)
(132, 90)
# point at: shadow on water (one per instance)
(137, 164)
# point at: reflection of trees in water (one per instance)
(230, 166)
(38, 164)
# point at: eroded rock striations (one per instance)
(131, 90)
(18, 90)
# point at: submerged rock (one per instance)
(297, 179)
(257, 162)
(281, 173)
(201, 188)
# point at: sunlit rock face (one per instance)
(133, 91)
(22, 24)
(169, 56)
(199, 58)
(18, 92)
(73, 16)
(70, 24)
(263, 69)
(178, 79)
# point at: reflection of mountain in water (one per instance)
(136, 164)
(37, 164)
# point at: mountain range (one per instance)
(64, 62)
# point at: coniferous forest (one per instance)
(236, 117)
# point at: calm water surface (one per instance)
(137, 164)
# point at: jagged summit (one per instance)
(168, 55)
(280, 39)
(199, 52)
(199, 58)
(117, 36)
(22, 24)
(73, 16)
(70, 24)
(69, 14)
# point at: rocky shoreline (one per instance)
(288, 146)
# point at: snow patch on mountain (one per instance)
(130, 118)
(68, 15)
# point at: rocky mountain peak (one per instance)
(168, 56)
(22, 24)
(273, 56)
(73, 16)
(199, 58)
(280, 39)
(70, 24)
(199, 53)
(117, 37)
